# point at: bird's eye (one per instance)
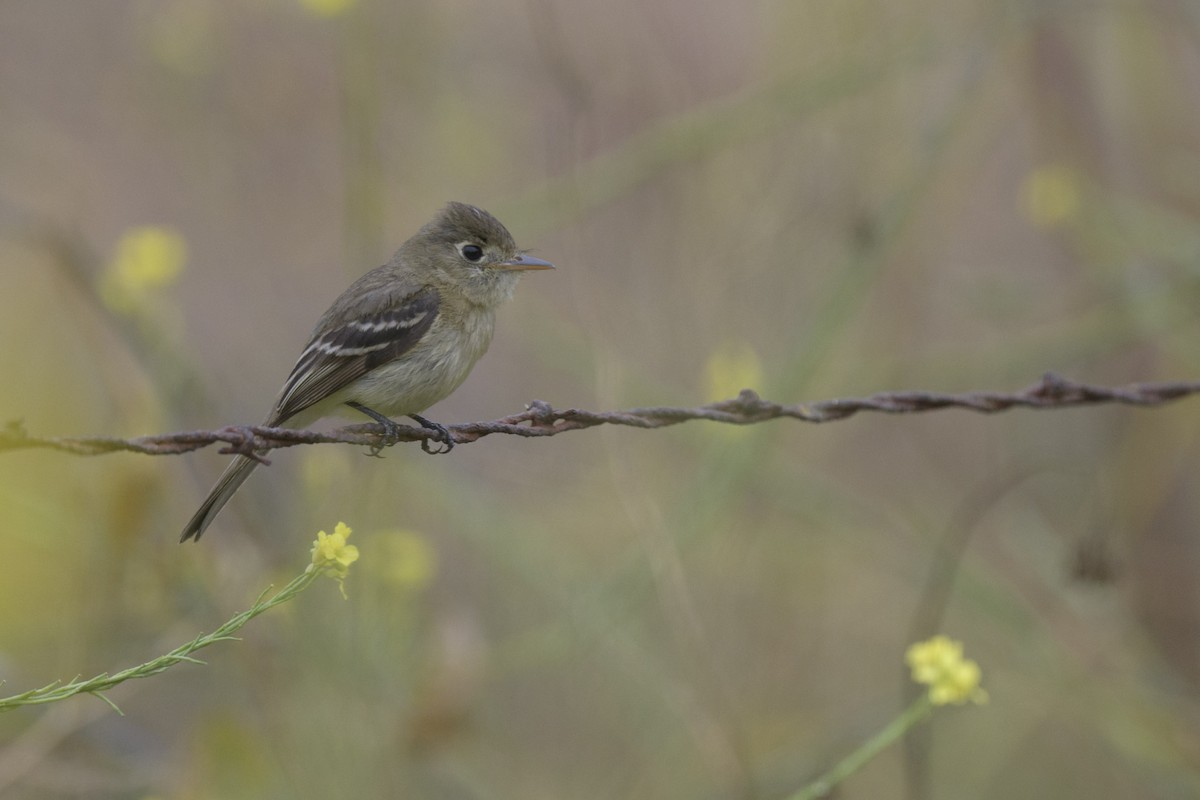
(471, 252)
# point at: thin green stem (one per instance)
(104, 681)
(823, 785)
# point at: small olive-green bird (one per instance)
(401, 338)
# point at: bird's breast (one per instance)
(432, 369)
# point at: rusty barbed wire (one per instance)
(540, 419)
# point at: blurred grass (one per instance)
(841, 190)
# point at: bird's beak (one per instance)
(522, 262)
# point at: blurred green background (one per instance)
(813, 199)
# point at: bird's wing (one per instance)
(337, 356)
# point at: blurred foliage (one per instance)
(822, 199)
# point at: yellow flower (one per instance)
(149, 257)
(145, 259)
(327, 8)
(731, 368)
(939, 663)
(331, 553)
(407, 561)
(1050, 195)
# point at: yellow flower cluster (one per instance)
(939, 663)
(146, 259)
(732, 367)
(1051, 196)
(405, 559)
(331, 553)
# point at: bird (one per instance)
(399, 339)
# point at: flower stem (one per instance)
(104, 681)
(823, 785)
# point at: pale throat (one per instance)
(490, 287)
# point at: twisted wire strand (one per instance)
(541, 419)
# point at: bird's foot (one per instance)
(443, 437)
(391, 428)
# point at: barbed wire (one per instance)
(540, 419)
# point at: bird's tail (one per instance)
(232, 478)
